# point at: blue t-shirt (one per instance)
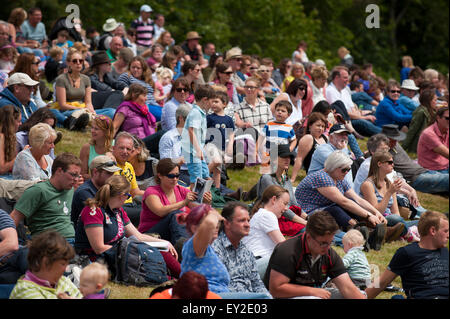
(196, 119)
(424, 272)
(209, 266)
(83, 192)
(222, 123)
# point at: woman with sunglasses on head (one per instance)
(103, 223)
(102, 135)
(222, 75)
(389, 111)
(379, 191)
(327, 189)
(73, 92)
(162, 202)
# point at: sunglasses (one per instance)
(172, 176)
(302, 88)
(264, 71)
(395, 91)
(391, 162)
(35, 63)
(227, 73)
(77, 61)
(179, 90)
(250, 87)
(107, 164)
(346, 170)
(447, 118)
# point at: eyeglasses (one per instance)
(395, 91)
(179, 90)
(172, 176)
(74, 175)
(250, 87)
(77, 61)
(322, 244)
(391, 162)
(253, 68)
(346, 170)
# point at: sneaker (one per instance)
(395, 232)
(376, 237)
(81, 122)
(365, 232)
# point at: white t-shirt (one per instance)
(333, 94)
(258, 240)
(296, 114)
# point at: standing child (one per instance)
(355, 260)
(93, 280)
(193, 136)
(277, 132)
(219, 145)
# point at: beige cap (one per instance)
(233, 53)
(104, 162)
(21, 78)
(192, 35)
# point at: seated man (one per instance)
(300, 266)
(102, 167)
(432, 149)
(419, 178)
(13, 257)
(47, 205)
(422, 266)
(239, 261)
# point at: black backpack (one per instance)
(139, 264)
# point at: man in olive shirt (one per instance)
(47, 205)
(301, 265)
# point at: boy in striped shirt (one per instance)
(278, 132)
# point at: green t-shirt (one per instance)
(45, 207)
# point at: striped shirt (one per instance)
(145, 31)
(25, 289)
(277, 133)
(129, 79)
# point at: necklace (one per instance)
(73, 81)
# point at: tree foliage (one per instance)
(274, 27)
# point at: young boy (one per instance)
(55, 60)
(355, 260)
(93, 280)
(361, 98)
(278, 132)
(220, 135)
(193, 136)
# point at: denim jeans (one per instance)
(169, 229)
(365, 127)
(62, 115)
(431, 182)
(244, 295)
(354, 146)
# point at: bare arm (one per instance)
(8, 241)
(205, 232)
(84, 157)
(347, 288)
(304, 146)
(96, 239)
(279, 287)
(276, 236)
(17, 217)
(117, 121)
(441, 150)
(154, 204)
(386, 278)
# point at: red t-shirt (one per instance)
(431, 138)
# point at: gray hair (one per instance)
(40, 133)
(375, 140)
(337, 159)
(124, 134)
(183, 111)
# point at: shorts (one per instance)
(195, 170)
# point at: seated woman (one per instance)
(319, 76)
(10, 119)
(389, 111)
(191, 72)
(42, 115)
(35, 163)
(382, 194)
(139, 72)
(265, 232)
(48, 256)
(143, 164)
(283, 71)
(103, 223)
(222, 75)
(327, 190)
(268, 85)
(102, 134)
(106, 91)
(422, 117)
(314, 136)
(162, 202)
(73, 92)
(133, 115)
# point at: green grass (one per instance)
(246, 178)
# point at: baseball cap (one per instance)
(21, 78)
(338, 128)
(146, 8)
(104, 162)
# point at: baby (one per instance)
(93, 279)
(355, 260)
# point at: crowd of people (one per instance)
(165, 119)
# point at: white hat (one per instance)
(146, 8)
(21, 78)
(409, 85)
(110, 25)
(320, 62)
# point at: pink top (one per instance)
(431, 138)
(149, 218)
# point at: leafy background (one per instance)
(274, 27)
